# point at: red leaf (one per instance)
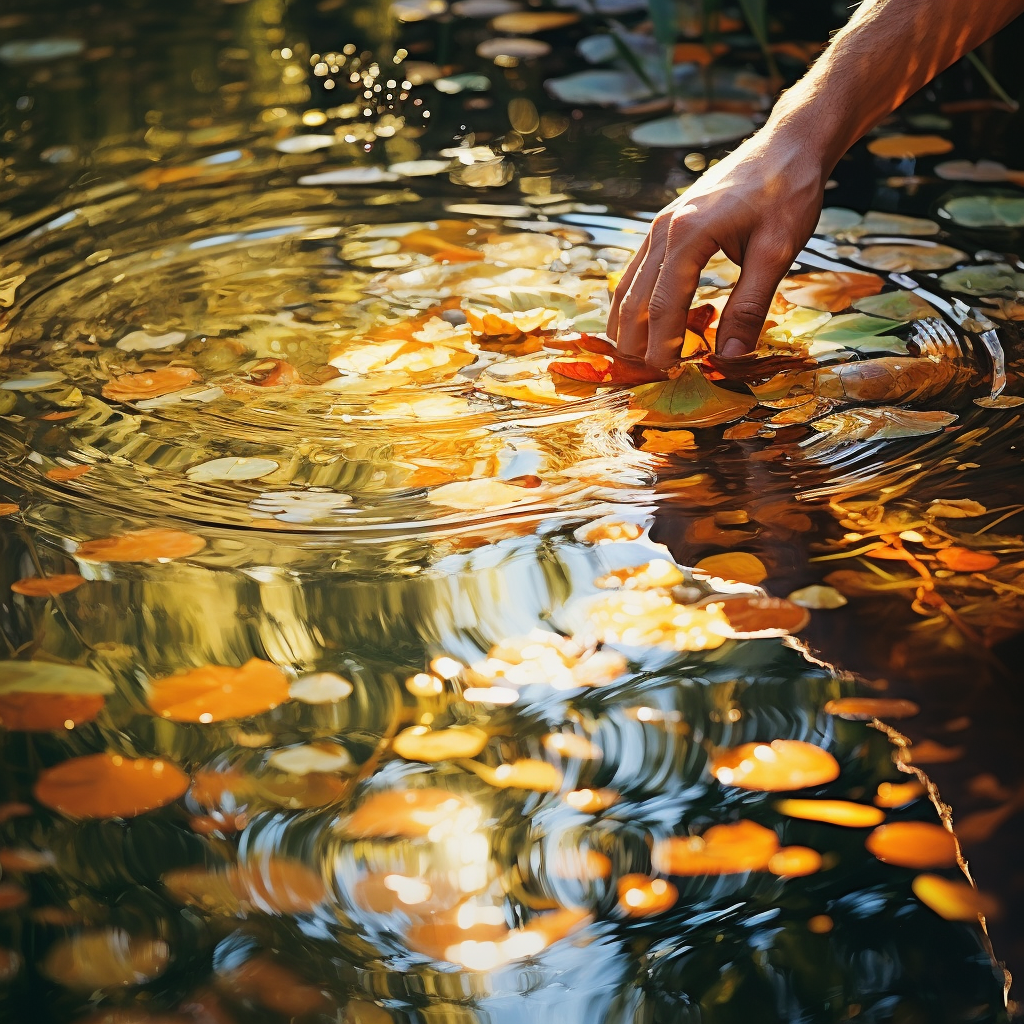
(601, 370)
(699, 318)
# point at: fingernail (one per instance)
(732, 348)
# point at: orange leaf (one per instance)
(109, 786)
(640, 896)
(44, 712)
(150, 545)
(272, 373)
(697, 53)
(905, 147)
(955, 901)
(602, 370)
(149, 383)
(913, 844)
(831, 290)
(215, 693)
(761, 616)
(871, 707)
(722, 850)
(8, 508)
(740, 566)
(775, 767)
(47, 586)
(965, 560)
(64, 473)
(65, 414)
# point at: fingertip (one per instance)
(733, 348)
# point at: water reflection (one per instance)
(344, 679)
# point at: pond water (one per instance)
(381, 647)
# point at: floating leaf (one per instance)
(659, 572)
(149, 383)
(418, 743)
(955, 901)
(597, 369)
(984, 280)
(1000, 402)
(955, 508)
(37, 382)
(215, 693)
(913, 844)
(817, 596)
(853, 329)
(477, 495)
(528, 22)
(966, 560)
(722, 850)
(829, 290)
(350, 176)
(758, 616)
(320, 688)
(105, 958)
(524, 773)
(140, 341)
(109, 786)
(40, 696)
(897, 305)
(882, 424)
(775, 767)
(833, 812)
(740, 566)
(640, 896)
(668, 442)
(8, 508)
(795, 862)
(907, 147)
(603, 88)
(866, 708)
(699, 131)
(904, 258)
(468, 82)
(689, 400)
(151, 545)
(307, 758)
(591, 801)
(983, 170)
(47, 586)
(985, 211)
(514, 46)
(899, 794)
(232, 469)
(407, 813)
(64, 473)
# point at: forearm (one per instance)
(888, 50)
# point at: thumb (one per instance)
(744, 314)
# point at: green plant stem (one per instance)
(991, 81)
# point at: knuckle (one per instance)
(661, 305)
(748, 312)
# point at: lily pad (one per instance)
(984, 280)
(697, 130)
(985, 211)
(469, 82)
(603, 88)
(902, 258)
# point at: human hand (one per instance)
(759, 205)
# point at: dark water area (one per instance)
(377, 646)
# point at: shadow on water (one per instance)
(361, 667)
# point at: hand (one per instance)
(759, 205)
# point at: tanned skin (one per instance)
(760, 204)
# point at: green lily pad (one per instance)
(986, 211)
(696, 130)
(987, 279)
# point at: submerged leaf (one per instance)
(818, 596)
(955, 901)
(47, 586)
(740, 566)
(896, 305)
(913, 844)
(149, 383)
(775, 767)
(986, 211)
(722, 850)
(986, 279)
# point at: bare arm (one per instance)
(761, 203)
